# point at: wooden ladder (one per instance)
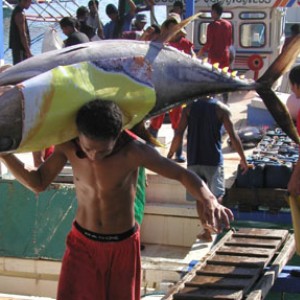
(242, 265)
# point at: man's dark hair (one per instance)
(111, 9)
(218, 8)
(178, 3)
(91, 3)
(82, 11)
(99, 120)
(68, 21)
(294, 75)
(156, 28)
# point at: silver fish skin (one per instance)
(176, 77)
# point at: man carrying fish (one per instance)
(102, 259)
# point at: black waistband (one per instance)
(106, 237)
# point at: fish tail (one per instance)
(278, 110)
(282, 63)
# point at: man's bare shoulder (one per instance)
(66, 147)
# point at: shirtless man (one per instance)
(102, 259)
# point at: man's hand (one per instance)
(216, 216)
(244, 166)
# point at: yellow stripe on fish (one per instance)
(52, 99)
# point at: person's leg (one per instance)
(217, 182)
(78, 277)
(175, 116)
(125, 271)
(155, 124)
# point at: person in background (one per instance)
(218, 41)
(204, 119)
(295, 30)
(178, 8)
(180, 42)
(69, 26)
(111, 29)
(93, 19)
(82, 15)
(151, 33)
(219, 38)
(137, 28)
(102, 259)
(19, 37)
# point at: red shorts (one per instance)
(97, 270)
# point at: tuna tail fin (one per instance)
(282, 63)
(279, 112)
(277, 109)
(166, 36)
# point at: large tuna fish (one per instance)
(145, 78)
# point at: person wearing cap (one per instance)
(111, 29)
(69, 26)
(138, 28)
(180, 42)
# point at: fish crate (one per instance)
(252, 199)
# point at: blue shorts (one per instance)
(213, 177)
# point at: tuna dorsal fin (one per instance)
(165, 37)
(283, 63)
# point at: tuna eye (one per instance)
(6, 143)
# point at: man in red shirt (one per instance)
(219, 38)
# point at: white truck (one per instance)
(258, 27)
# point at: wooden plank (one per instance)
(245, 251)
(207, 294)
(229, 271)
(253, 242)
(218, 282)
(237, 260)
(280, 234)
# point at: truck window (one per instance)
(252, 35)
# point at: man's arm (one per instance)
(36, 180)
(294, 183)
(179, 133)
(214, 214)
(20, 20)
(225, 116)
(132, 7)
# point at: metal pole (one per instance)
(1, 35)
(190, 8)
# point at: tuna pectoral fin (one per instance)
(282, 63)
(141, 131)
(279, 112)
